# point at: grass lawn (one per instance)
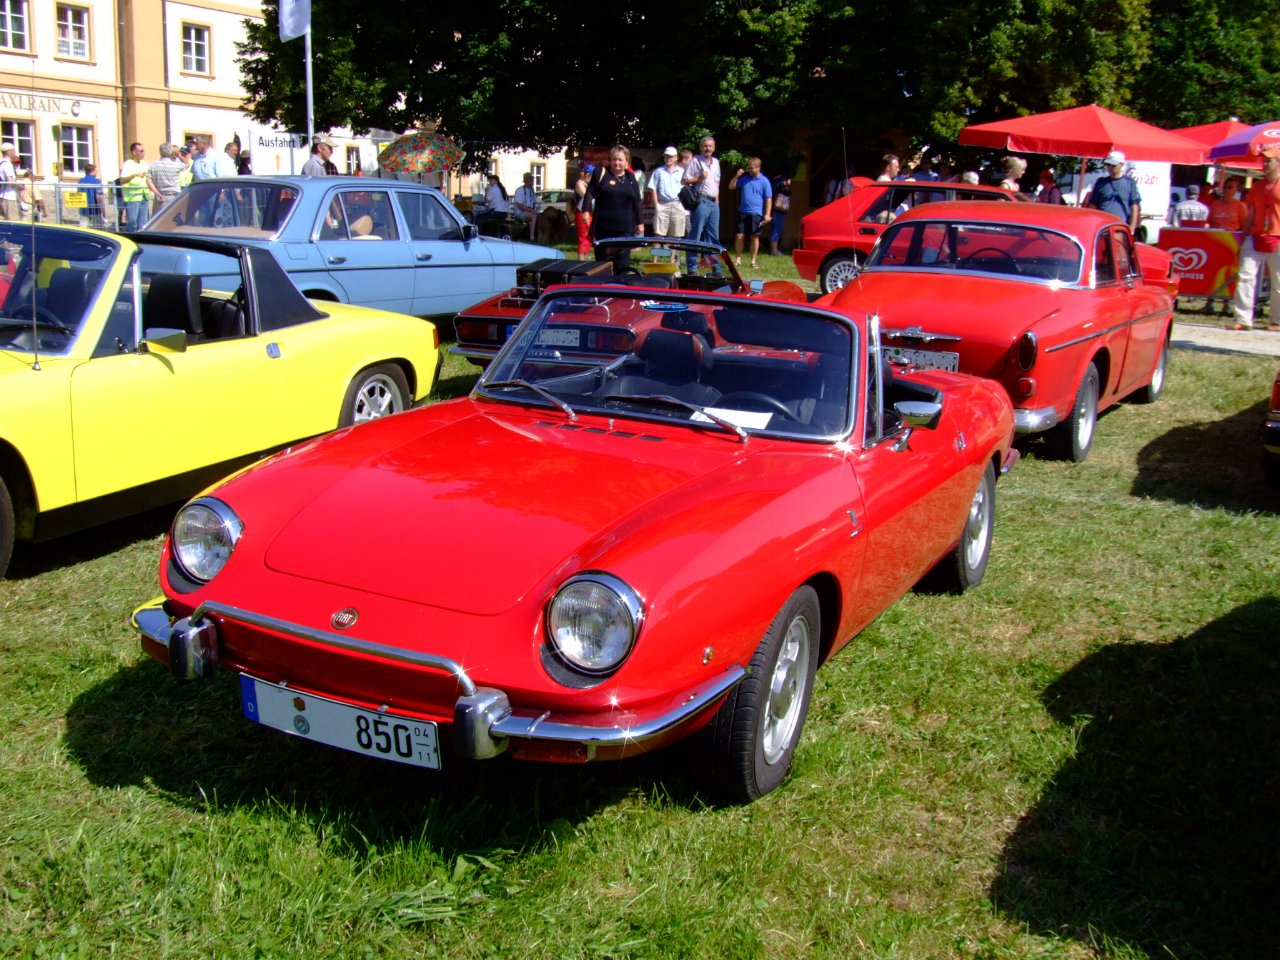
(1079, 758)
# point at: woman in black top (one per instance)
(616, 196)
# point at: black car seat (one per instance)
(173, 301)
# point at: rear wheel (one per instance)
(752, 738)
(6, 528)
(376, 392)
(1152, 390)
(839, 270)
(1074, 436)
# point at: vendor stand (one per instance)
(1206, 261)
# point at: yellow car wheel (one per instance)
(376, 392)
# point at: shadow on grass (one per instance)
(191, 742)
(1216, 464)
(34, 559)
(1162, 831)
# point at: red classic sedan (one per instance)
(654, 517)
(836, 238)
(1059, 305)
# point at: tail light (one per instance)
(475, 331)
(1028, 347)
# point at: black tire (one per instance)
(375, 392)
(1270, 470)
(965, 565)
(6, 529)
(1155, 386)
(1074, 436)
(749, 743)
(839, 270)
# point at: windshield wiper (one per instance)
(540, 391)
(668, 400)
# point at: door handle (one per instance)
(424, 257)
(337, 259)
(867, 230)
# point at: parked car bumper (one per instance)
(1034, 420)
(807, 262)
(484, 722)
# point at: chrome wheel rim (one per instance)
(840, 273)
(1086, 415)
(978, 529)
(1157, 377)
(378, 397)
(787, 684)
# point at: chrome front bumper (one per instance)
(483, 719)
(1034, 421)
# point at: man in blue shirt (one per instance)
(91, 187)
(755, 207)
(1115, 193)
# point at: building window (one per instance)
(353, 159)
(76, 148)
(22, 134)
(13, 25)
(195, 48)
(73, 32)
(539, 171)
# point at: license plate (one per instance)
(929, 359)
(558, 338)
(381, 735)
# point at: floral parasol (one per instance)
(420, 152)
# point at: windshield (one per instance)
(48, 281)
(216, 208)
(1009, 250)
(716, 363)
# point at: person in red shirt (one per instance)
(1262, 245)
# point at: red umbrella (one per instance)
(1211, 134)
(1091, 131)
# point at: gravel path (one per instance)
(1196, 336)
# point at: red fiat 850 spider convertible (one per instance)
(1059, 305)
(654, 517)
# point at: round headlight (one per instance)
(204, 534)
(592, 622)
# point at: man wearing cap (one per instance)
(1190, 210)
(315, 165)
(669, 214)
(1261, 246)
(8, 182)
(1115, 193)
(525, 205)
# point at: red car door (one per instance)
(1147, 317)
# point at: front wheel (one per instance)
(965, 565)
(377, 392)
(838, 271)
(1074, 436)
(752, 738)
(6, 529)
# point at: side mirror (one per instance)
(166, 338)
(919, 413)
(469, 232)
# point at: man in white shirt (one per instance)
(669, 214)
(525, 203)
(8, 182)
(1191, 209)
(704, 170)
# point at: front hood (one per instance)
(476, 513)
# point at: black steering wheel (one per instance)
(760, 399)
(964, 261)
(42, 315)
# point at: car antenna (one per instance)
(35, 326)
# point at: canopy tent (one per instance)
(1091, 131)
(1211, 134)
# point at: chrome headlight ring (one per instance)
(203, 536)
(592, 622)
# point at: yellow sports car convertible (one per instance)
(127, 381)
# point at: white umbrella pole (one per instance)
(311, 108)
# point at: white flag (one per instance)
(295, 18)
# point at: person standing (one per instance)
(669, 214)
(184, 157)
(8, 181)
(1191, 210)
(583, 208)
(1261, 247)
(1050, 192)
(618, 211)
(1014, 168)
(755, 208)
(91, 187)
(1115, 193)
(890, 164)
(210, 163)
(136, 188)
(167, 171)
(781, 204)
(315, 165)
(704, 170)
